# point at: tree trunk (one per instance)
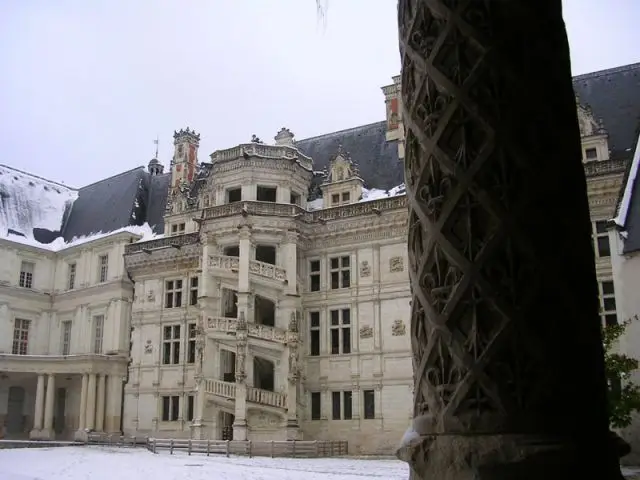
(505, 331)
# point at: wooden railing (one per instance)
(266, 397)
(224, 262)
(267, 270)
(294, 448)
(220, 388)
(176, 241)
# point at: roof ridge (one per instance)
(113, 176)
(38, 177)
(607, 71)
(342, 131)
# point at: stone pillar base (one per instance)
(240, 430)
(80, 436)
(505, 457)
(42, 434)
(293, 431)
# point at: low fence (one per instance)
(292, 448)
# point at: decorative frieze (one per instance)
(224, 262)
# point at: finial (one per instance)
(156, 142)
(284, 137)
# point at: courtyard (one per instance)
(98, 463)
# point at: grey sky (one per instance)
(88, 84)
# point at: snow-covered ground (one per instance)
(103, 463)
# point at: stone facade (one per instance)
(64, 337)
(262, 313)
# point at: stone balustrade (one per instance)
(267, 270)
(224, 262)
(266, 397)
(265, 332)
(222, 324)
(254, 395)
(220, 388)
(255, 330)
(172, 241)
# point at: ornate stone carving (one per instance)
(151, 297)
(398, 329)
(365, 268)
(396, 264)
(148, 348)
(366, 331)
(293, 323)
(486, 353)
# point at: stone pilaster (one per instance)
(90, 417)
(82, 408)
(114, 404)
(100, 401)
(240, 422)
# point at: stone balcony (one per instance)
(178, 251)
(227, 326)
(227, 390)
(256, 268)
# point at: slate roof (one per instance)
(614, 96)
(136, 196)
(377, 159)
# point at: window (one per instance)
(190, 403)
(340, 272)
(26, 274)
(591, 154)
(234, 195)
(98, 333)
(294, 198)
(346, 197)
(341, 405)
(314, 275)
(316, 410)
(369, 402)
(173, 294)
(170, 408)
(177, 228)
(191, 343)
(20, 336)
(193, 291)
(171, 345)
(314, 333)
(608, 303)
(335, 199)
(66, 337)
(266, 194)
(603, 249)
(71, 277)
(340, 331)
(103, 261)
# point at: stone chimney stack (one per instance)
(284, 137)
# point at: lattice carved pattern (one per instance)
(471, 360)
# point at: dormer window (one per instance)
(591, 154)
(346, 198)
(335, 199)
(177, 229)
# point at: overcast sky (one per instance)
(87, 85)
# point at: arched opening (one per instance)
(264, 311)
(263, 374)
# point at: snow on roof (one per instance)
(29, 201)
(368, 195)
(621, 218)
(58, 245)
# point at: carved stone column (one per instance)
(82, 408)
(508, 359)
(293, 376)
(49, 405)
(39, 407)
(240, 422)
